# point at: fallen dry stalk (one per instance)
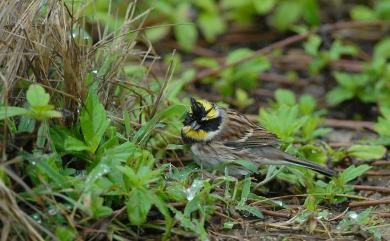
(368, 203)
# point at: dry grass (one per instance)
(45, 42)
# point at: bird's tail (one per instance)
(313, 166)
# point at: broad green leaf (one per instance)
(338, 95)
(65, 233)
(243, 100)
(211, 25)
(98, 209)
(93, 120)
(307, 104)
(286, 13)
(313, 153)
(367, 152)
(97, 172)
(73, 144)
(382, 127)
(361, 12)
(352, 172)
(119, 153)
(37, 96)
(312, 45)
(138, 205)
(284, 96)
(283, 121)
(263, 6)
(311, 12)
(47, 166)
(382, 49)
(10, 111)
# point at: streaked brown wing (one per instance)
(239, 132)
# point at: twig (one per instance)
(288, 41)
(276, 214)
(377, 173)
(369, 203)
(380, 163)
(350, 124)
(371, 188)
(382, 214)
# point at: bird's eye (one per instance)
(187, 119)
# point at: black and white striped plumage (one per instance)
(219, 135)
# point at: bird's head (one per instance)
(202, 122)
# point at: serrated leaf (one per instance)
(138, 205)
(93, 121)
(284, 96)
(352, 172)
(367, 152)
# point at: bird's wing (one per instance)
(239, 132)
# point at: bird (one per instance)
(220, 137)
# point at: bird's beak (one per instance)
(195, 125)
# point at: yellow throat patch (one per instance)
(194, 134)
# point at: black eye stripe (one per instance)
(210, 125)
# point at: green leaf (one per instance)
(246, 189)
(367, 152)
(382, 49)
(138, 205)
(338, 95)
(263, 6)
(73, 144)
(10, 111)
(361, 12)
(251, 210)
(284, 96)
(382, 127)
(37, 96)
(313, 153)
(311, 12)
(211, 25)
(312, 45)
(243, 100)
(283, 121)
(93, 120)
(286, 13)
(352, 172)
(245, 163)
(307, 104)
(26, 124)
(64, 233)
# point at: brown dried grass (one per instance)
(40, 43)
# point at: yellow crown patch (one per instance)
(210, 109)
